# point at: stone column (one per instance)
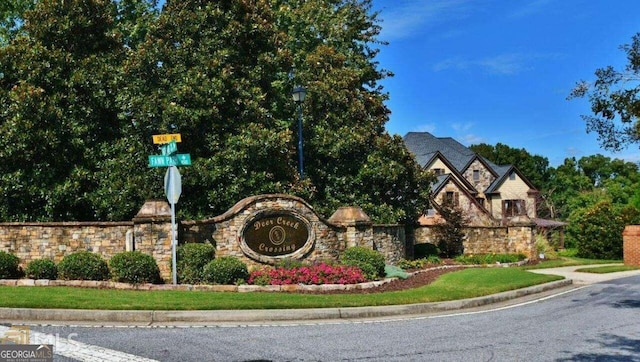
(358, 224)
(631, 245)
(152, 234)
(521, 231)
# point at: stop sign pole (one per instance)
(173, 189)
(170, 158)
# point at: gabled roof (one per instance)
(442, 181)
(426, 147)
(444, 160)
(487, 164)
(504, 172)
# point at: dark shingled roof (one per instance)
(426, 146)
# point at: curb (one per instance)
(148, 318)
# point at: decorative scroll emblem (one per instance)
(276, 234)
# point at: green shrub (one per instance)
(568, 253)
(192, 258)
(371, 262)
(450, 233)
(425, 250)
(419, 263)
(83, 265)
(597, 230)
(289, 263)
(9, 266)
(134, 267)
(225, 270)
(485, 259)
(42, 269)
(544, 247)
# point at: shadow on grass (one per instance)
(614, 348)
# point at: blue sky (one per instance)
(489, 71)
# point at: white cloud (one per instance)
(471, 139)
(503, 64)
(402, 19)
(462, 127)
(506, 64)
(531, 7)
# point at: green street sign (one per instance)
(169, 148)
(180, 159)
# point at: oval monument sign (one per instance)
(276, 234)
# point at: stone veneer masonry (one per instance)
(347, 227)
(150, 232)
(516, 238)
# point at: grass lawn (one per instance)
(569, 261)
(607, 269)
(467, 283)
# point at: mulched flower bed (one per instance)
(418, 278)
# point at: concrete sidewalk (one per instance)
(581, 278)
(202, 318)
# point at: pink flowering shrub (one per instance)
(313, 274)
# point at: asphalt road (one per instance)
(593, 322)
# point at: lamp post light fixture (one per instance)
(299, 93)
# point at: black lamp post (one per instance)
(299, 93)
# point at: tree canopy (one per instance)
(534, 166)
(615, 100)
(85, 84)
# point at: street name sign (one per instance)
(159, 139)
(180, 159)
(169, 148)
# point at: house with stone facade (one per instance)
(488, 194)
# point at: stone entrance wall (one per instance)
(150, 232)
(348, 226)
(516, 238)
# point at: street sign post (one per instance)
(173, 189)
(170, 158)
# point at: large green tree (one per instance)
(12, 17)
(221, 74)
(57, 104)
(615, 101)
(535, 167)
(88, 82)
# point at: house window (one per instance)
(512, 208)
(451, 198)
(512, 176)
(438, 171)
(476, 175)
